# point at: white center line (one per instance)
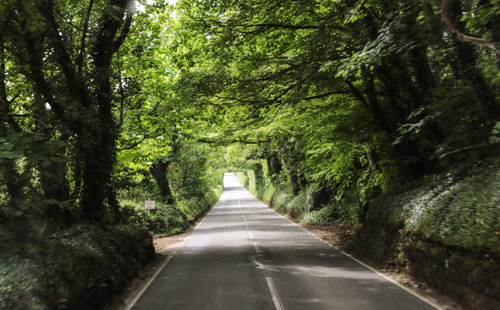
(274, 294)
(255, 245)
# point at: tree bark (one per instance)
(159, 171)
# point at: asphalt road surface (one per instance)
(245, 256)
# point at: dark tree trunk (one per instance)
(55, 187)
(257, 168)
(293, 174)
(159, 171)
(274, 165)
(423, 75)
(294, 179)
(373, 103)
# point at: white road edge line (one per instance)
(430, 302)
(274, 294)
(147, 284)
(423, 298)
(153, 277)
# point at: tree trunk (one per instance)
(373, 104)
(159, 171)
(55, 187)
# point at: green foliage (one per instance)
(32, 149)
(269, 193)
(247, 179)
(326, 215)
(320, 106)
(164, 220)
(495, 136)
(243, 178)
(172, 219)
(298, 205)
(19, 283)
(465, 214)
(455, 209)
(75, 268)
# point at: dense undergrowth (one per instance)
(80, 267)
(170, 219)
(166, 219)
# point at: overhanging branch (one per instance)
(460, 35)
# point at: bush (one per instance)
(455, 210)
(326, 215)
(172, 219)
(76, 268)
(163, 220)
(19, 282)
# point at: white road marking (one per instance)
(151, 279)
(274, 294)
(256, 247)
(147, 284)
(409, 290)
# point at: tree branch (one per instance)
(467, 148)
(261, 25)
(201, 140)
(271, 25)
(75, 87)
(133, 145)
(326, 95)
(79, 60)
(126, 27)
(460, 35)
(358, 95)
(37, 76)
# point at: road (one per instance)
(245, 256)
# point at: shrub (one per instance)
(75, 268)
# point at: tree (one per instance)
(66, 50)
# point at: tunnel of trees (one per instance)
(329, 109)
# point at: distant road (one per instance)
(245, 256)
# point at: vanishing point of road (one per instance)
(245, 256)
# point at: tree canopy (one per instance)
(351, 98)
